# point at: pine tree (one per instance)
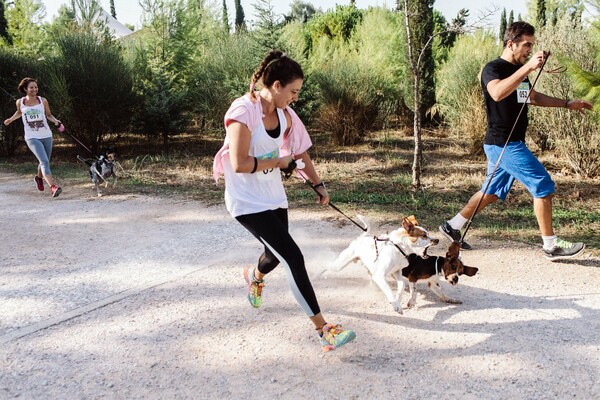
(267, 27)
(4, 25)
(112, 9)
(503, 25)
(541, 13)
(240, 23)
(225, 17)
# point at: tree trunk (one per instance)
(418, 154)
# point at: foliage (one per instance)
(459, 98)
(541, 13)
(13, 68)
(301, 11)
(4, 35)
(164, 56)
(336, 25)
(63, 23)
(89, 87)
(221, 74)
(25, 27)
(359, 80)
(445, 34)
(225, 17)
(574, 136)
(503, 25)
(421, 26)
(240, 18)
(268, 27)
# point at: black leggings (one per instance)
(271, 228)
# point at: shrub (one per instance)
(13, 68)
(575, 137)
(90, 87)
(222, 73)
(459, 97)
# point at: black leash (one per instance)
(309, 183)
(78, 141)
(546, 55)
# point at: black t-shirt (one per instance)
(503, 114)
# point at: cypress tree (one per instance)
(113, 12)
(511, 18)
(225, 17)
(4, 25)
(541, 13)
(240, 23)
(502, 29)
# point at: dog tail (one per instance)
(89, 163)
(365, 223)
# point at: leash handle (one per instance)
(546, 56)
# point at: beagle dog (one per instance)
(432, 270)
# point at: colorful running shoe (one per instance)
(56, 190)
(334, 336)
(255, 287)
(39, 182)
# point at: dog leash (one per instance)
(557, 70)
(309, 183)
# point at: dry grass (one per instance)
(373, 178)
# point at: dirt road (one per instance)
(133, 297)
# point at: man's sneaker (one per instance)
(453, 235)
(56, 190)
(255, 287)
(334, 336)
(563, 249)
(39, 182)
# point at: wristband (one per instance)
(255, 165)
(318, 185)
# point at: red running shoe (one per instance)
(55, 190)
(39, 182)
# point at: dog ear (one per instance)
(469, 271)
(453, 250)
(413, 220)
(407, 225)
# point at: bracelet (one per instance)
(318, 185)
(255, 165)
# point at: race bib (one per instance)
(523, 93)
(33, 114)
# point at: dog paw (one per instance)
(453, 301)
(397, 307)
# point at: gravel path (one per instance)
(134, 297)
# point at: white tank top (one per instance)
(34, 120)
(247, 193)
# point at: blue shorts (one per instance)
(517, 163)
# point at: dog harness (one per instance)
(376, 239)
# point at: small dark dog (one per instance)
(432, 269)
(102, 169)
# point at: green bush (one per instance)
(90, 87)
(13, 68)
(221, 74)
(459, 97)
(575, 137)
